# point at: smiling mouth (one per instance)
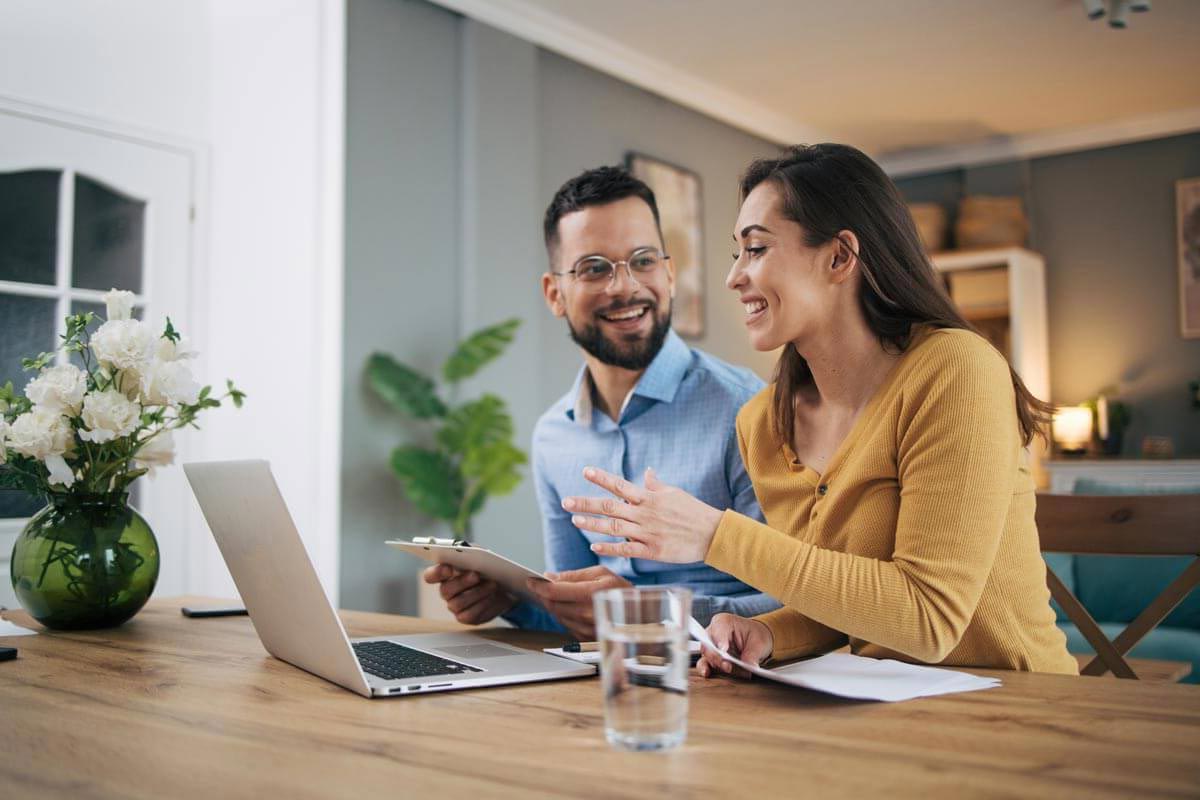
(625, 314)
(755, 309)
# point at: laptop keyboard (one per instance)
(392, 661)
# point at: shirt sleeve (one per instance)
(750, 604)
(958, 457)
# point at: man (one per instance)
(643, 399)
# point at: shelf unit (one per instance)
(1002, 291)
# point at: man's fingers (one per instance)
(618, 486)
(438, 573)
(471, 596)
(585, 574)
(459, 584)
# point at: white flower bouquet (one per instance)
(78, 437)
(96, 429)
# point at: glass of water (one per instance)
(644, 665)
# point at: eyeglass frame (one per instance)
(616, 265)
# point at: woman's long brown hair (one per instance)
(828, 188)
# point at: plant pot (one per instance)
(85, 564)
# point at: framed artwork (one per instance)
(681, 212)
(1187, 204)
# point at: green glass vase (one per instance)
(85, 563)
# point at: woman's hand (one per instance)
(662, 523)
(748, 639)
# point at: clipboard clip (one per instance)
(444, 542)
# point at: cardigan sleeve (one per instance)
(958, 452)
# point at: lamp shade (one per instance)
(1073, 427)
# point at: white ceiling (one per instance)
(890, 76)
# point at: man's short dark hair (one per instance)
(595, 187)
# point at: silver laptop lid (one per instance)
(265, 554)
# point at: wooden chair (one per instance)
(1131, 525)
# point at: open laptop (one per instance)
(297, 624)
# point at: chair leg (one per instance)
(1106, 654)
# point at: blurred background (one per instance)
(301, 183)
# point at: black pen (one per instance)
(581, 647)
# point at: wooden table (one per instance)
(172, 707)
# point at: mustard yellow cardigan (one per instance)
(918, 542)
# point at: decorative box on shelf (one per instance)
(1128, 472)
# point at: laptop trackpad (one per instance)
(478, 651)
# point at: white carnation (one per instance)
(60, 471)
(119, 304)
(124, 344)
(169, 383)
(40, 433)
(109, 415)
(174, 351)
(158, 451)
(58, 389)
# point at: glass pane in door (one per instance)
(29, 225)
(109, 235)
(26, 329)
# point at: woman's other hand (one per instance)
(747, 639)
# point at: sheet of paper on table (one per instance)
(857, 677)
(9, 629)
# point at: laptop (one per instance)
(297, 624)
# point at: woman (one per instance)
(888, 455)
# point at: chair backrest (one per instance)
(1129, 525)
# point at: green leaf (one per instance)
(478, 349)
(170, 334)
(404, 387)
(494, 467)
(476, 424)
(43, 360)
(430, 480)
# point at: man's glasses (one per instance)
(597, 273)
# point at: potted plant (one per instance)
(79, 436)
(468, 454)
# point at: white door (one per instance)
(84, 210)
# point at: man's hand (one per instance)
(748, 639)
(568, 596)
(472, 598)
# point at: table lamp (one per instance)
(1073, 429)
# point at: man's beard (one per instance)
(632, 355)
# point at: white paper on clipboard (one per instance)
(507, 573)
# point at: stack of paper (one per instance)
(858, 677)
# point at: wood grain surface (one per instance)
(166, 706)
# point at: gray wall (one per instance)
(1105, 221)
(457, 136)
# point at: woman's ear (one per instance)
(845, 255)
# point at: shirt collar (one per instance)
(660, 381)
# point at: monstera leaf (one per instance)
(404, 387)
(431, 481)
(477, 350)
(476, 424)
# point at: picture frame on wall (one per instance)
(1187, 204)
(678, 193)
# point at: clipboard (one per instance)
(462, 555)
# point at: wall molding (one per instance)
(615, 58)
(1047, 143)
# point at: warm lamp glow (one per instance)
(1073, 428)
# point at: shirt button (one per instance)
(822, 489)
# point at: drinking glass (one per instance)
(644, 665)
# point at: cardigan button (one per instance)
(822, 489)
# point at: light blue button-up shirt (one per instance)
(679, 419)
